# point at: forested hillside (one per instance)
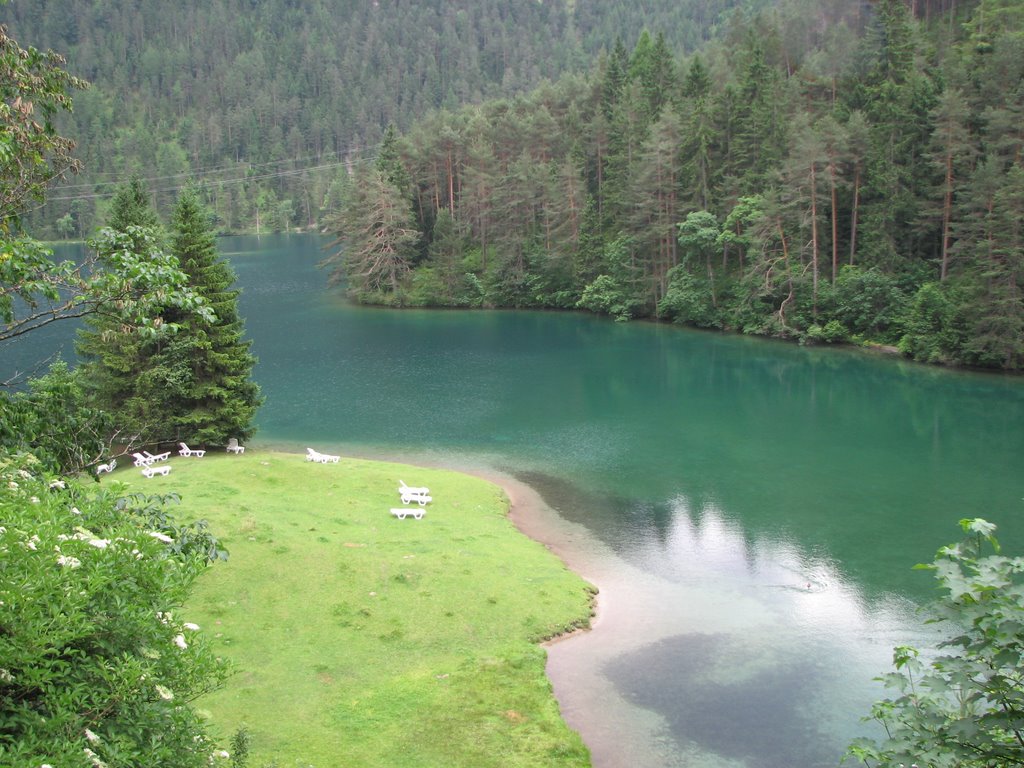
(269, 100)
(822, 171)
(811, 169)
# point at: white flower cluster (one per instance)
(94, 758)
(179, 640)
(67, 561)
(164, 692)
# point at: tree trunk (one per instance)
(947, 216)
(856, 210)
(814, 240)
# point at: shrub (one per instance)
(966, 707)
(97, 668)
(606, 297)
(868, 302)
(833, 332)
(933, 326)
(689, 300)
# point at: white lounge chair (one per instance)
(186, 451)
(158, 456)
(321, 458)
(410, 494)
(234, 447)
(142, 461)
(108, 467)
(401, 512)
(150, 471)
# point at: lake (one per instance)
(751, 510)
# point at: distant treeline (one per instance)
(823, 171)
(269, 101)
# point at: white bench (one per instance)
(402, 512)
(161, 470)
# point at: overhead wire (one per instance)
(207, 177)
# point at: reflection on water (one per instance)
(714, 650)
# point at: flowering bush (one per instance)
(97, 667)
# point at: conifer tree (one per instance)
(131, 207)
(376, 235)
(217, 398)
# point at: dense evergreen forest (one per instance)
(820, 171)
(268, 102)
(810, 169)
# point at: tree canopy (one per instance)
(761, 186)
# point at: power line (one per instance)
(203, 176)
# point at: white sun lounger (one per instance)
(403, 488)
(402, 512)
(157, 456)
(410, 494)
(109, 467)
(142, 461)
(150, 471)
(321, 458)
(234, 447)
(186, 451)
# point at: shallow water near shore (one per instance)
(750, 510)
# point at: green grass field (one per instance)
(364, 640)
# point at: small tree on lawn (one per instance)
(965, 708)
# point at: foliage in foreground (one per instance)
(97, 666)
(964, 708)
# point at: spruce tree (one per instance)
(131, 207)
(216, 398)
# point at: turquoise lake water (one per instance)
(751, 510)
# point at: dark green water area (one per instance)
(751, 510)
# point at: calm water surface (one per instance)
(750, 510)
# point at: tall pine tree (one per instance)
(217, 398)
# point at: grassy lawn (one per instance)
(364, 640)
